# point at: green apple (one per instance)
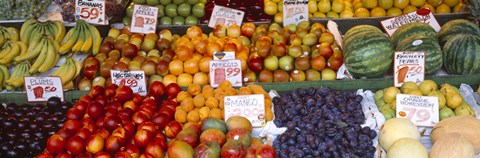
(203, 1)
(161, 10)
(178, 2)
(165, 2)
(193, 2)
(127, 21)
(198, 10)
(166, 20)
(152, 2)
(191, 20)
(179, 20)
(171, 10)
(129, 11)
(286, 63)
(184, 9)
(139, 1)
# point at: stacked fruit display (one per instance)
(216, 138)
(253, 9)
(176, 12)
(450, 101)
(399, 137)
(26, 127)
(115, 121)
(322, 123)
(376, 8)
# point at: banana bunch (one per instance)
(7, 33)
(83, 38)
(10, 50)
(42, 52)
(15, 80)
(32, 28)
(68, 71)
(4, 75)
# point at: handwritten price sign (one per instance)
(408, 66)
(295, 11)
(225, 16)
(421, 15)
(133, 79)
(421, 110)
(251, 107)
(41, 88)
(230, 70)
(144, 19)
(91, 11)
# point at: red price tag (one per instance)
(89, 13)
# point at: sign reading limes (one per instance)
(421, 110)
(295, 11)
(144, 19)
(409, 66)
(92, 12)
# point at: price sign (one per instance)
(91, 11)
(144, 19)
(230, 70)
(133, 79)
(421, 110)
(295, 11)
(41, 88)
(421, 15)
(226, 16)
(251, 107)
(408, 66)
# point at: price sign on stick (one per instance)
(409, 66)
(251, 107)
(421, 110)
(133, 79)
(144, 19)
(225, 16)
(42, 88)
(230, 70)
(91, 11)
(295, 11)
(421, 15)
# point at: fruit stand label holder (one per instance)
(421, 15)
(225, 67)
(251, 107)
(421, 110)
(39, 89)
(92, 12)
(144, 19)
(408, 66)
(295, 11)
(133, 79)
(226, 16)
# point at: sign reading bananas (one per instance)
(295, 11)
(421, 15)
(144, 19)
(409, 66)
(133, 79)
(225, 16)
(92, 12)
(39, 89)
(251, 107)
(421, 110)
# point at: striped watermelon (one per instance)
(354, 34)
(368, 54)
(361, 28)
(461, 54)
(455, 27)
(433, 51)
(412, 29)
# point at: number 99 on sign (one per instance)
(232, 71)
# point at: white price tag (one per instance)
(144, 19)
(421, 15)
(408, 66)
(230, 70)
(251, 107)
(92, 12)
(421, 110)
(226, 16)
(41, 88)
(133, 79)
(295, 11)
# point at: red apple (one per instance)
(45, 154)
(132, 150)
(334, 62)
(266, 151)
(103, 100)
(142, 137)
(63, 155)
(81, 106)
(155, 149)
(157, 88)
(113, 144)
(160, 120)
(102, 133)
(95, 109)
(247, 29)
(96, 91)
(139, 117)
(130, 104)
(86, 98)
(122, 154)
(110, 90)
(74, 114)
(325, 50)
(172, 129)
(124, 93)
(95, 143)
(75, 145)
(102, 154)
(84, 133)
(72, 125)
(111, 122)
(147, 126)
(255, 62)
(119, 132)
(65, 133)
(172, 90)
(56, 144)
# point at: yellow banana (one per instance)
(17, 80)
(2, 38)
(81, 39)
(23, 47)
(1, 81)
(50, 29)
(33, 52)
(69, 40)
(87, 45)
(78, 67)
(6, 48)
(36, 40)
(25, 37)
(14, 33)
(66, 71)
(68, 85)
(28, 23)
(13, 53)
(38, 31)
(60, 30)
(50, 60)
(4, 71)
(40, 60)
(97, 39)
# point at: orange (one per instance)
(182, 95)
(362, 12)
(204, 64)
(183, 80)
(451, 3)
(200, 78)
(180, 115)
(224, 84)
(244, 91)
(434, 3)
(409, 9)
(193, 116)
(385, 4)
(194, 89)
(187, 104)
(203, 112)
(369, 4)
(442, 9)
(417, 3)
(191, 66)
(184, 53)
(213, 47)
(211, 102)
(401, 3)
(215, 113)
(175, 67)
(394, 12)
(199, 101)
(167, 79)
(378, 12)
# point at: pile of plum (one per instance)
(322, 123)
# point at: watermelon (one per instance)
(455, 27)
(461, 54)
(368, 55)
(433, 51)
(361, 28)
(412, 29)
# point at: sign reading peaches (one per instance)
(421, 110)
(41, 88)
(133, 79)
(226, 16)
(421, 15)
(251, 107)
(408, 66)
(295, 11)
(144, 19)
(91, 11)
